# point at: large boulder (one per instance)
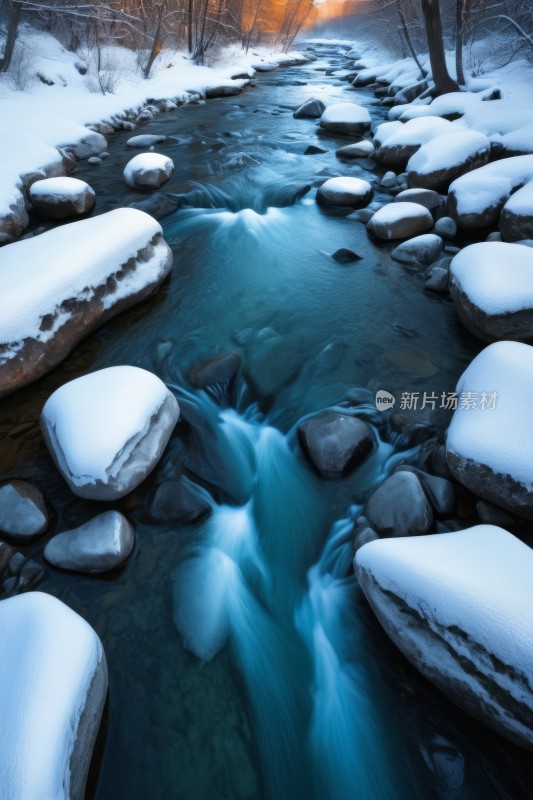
(53, 675)
(346, 119)
(311, 109)
(23, 513)
(458, 607)
(352, 192)
(396, 142)
(400, 221)
(97, 546)
(492, 288)
(399, 507)
(61, 285)
(106, 431)
(57, 198)
(148, 171)
(446, 157)
(489, 445)
(516, 222)
(335, 443)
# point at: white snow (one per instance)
(346, 186)
(500, 438)
(145, 140)
(59, 187)
(148, 169)
(415, 132)
(70, 261)
(487, 186)
(48, 658)
(345, 114)
(521, 202)
(497, 277)
(447, 151)
(519, 141)
(98, 420)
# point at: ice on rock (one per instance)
(61, 285)
(458, 605)
(346, 118)
(53, 676)
(446, 157)
(148, 171)
(492, 288)
(489, 445)
(106, 431)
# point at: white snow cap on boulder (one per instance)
(345, 191)
(490, 450)
(346, 118)
(106, 431)
(400, 221)
(397, 142)
(446, 157)
(61, 197)
(53, 675)
(458, 605)
(148, 171)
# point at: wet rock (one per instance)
(363, 534)
(57, 679)
(23, 513)
(313, 150)
(345, 256)
(346, 118)
(421, 250)
(445, 761)
(57, 198)
(223, 90)
(458, 607)
(437, 280)
(446, 157)
(424, 197)
(106, 431)
(148, 171)
(364, 215)
(97, 546)
(400, 507)
(516, 221)
(311, 109)
(362, 149)
(146, 140)
(389, 180)
(352, 192)
(221, 369)
(400, 221)
(158, 205)
(492, 515)
(335, 443)
(446, 227)
(94, 160)
(179, 501)
(439, 491)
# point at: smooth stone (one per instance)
(345, 256)
(424, 197)
(179, 501)
(224, 90)
(399, 507)
(400, 221)
(58, 198)
(352, 192)
(23, 513)
(148, 171)
(221, 369)
(446, 227)
(362, 149)
(439, 491)
(97, 546)
(311, 109)
(313, 150)
(335, 443)
(158, 205)
(423, 250)
(437, 280)
(363, 534)
(389, 180)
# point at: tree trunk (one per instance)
(409, 41)
(189, 32)
(11, 38)
(155, 45)
(459, 35)
(433, 23)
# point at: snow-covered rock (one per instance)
(492, 288)
(476, 199)
(458, 606)
(106, 431)
(23, 513)
(311, 109)
(446, 157)
(422, 249)
(489, 445)
(346, 118)
(61, 285)
(264, 66)
(97, 546)
(362, 149)
(226, 89)
(515, 143)
(399, 142)
(146, 140)
(352, 192)
(89, 143)
(58, 198)
(516, 221)
(400, 221)
(424, 197)
(335, 443)
(148, 171)
(54, 674)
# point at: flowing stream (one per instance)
(244, 661)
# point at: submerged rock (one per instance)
(345, 256)
(221, 369)
(335, 443)
(23, 513)
(58, 198)
(106, 431)
(146, 140)
(97, 546)
(458, 607)
(157, 205)
(179, 501)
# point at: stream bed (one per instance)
(302, 696)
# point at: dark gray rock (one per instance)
(420, 250)
(311, 109)
(179, 501)
(23, 513)
(437, 280)
(446, 227)
(492, 515)
(345, 256)
(400, 507)
(221, 369)
(224, 90)
(335, 443)
(60, 198)
(313, 150)
(157, 205)
(439, 491)
(97, 546)
(424, 197)
(362, 535)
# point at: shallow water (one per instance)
(302, 695)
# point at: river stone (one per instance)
(490, 450)
(54, 665)
(362, 149)
(421, 250)
(157, 205)
(223, 90)
(447, 157)
(352, 192)
(446, 227)
(345, 256)
(23, 513)
(346, 118)
(458, 605)
(335, 443)
(439, 491)
(400, 221)
(179, 501)
(311, 109)
(399, 507)
(14, 218)
(146, 140)
(221, 369)
(363, 534)
(81, 275)
(437, 280)
(57, 198)
(492, 289)
(313, 150)
(424, 197)
(106, 431)
(389, 180)
(97, 546)
(148, 171)
(516, 221)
